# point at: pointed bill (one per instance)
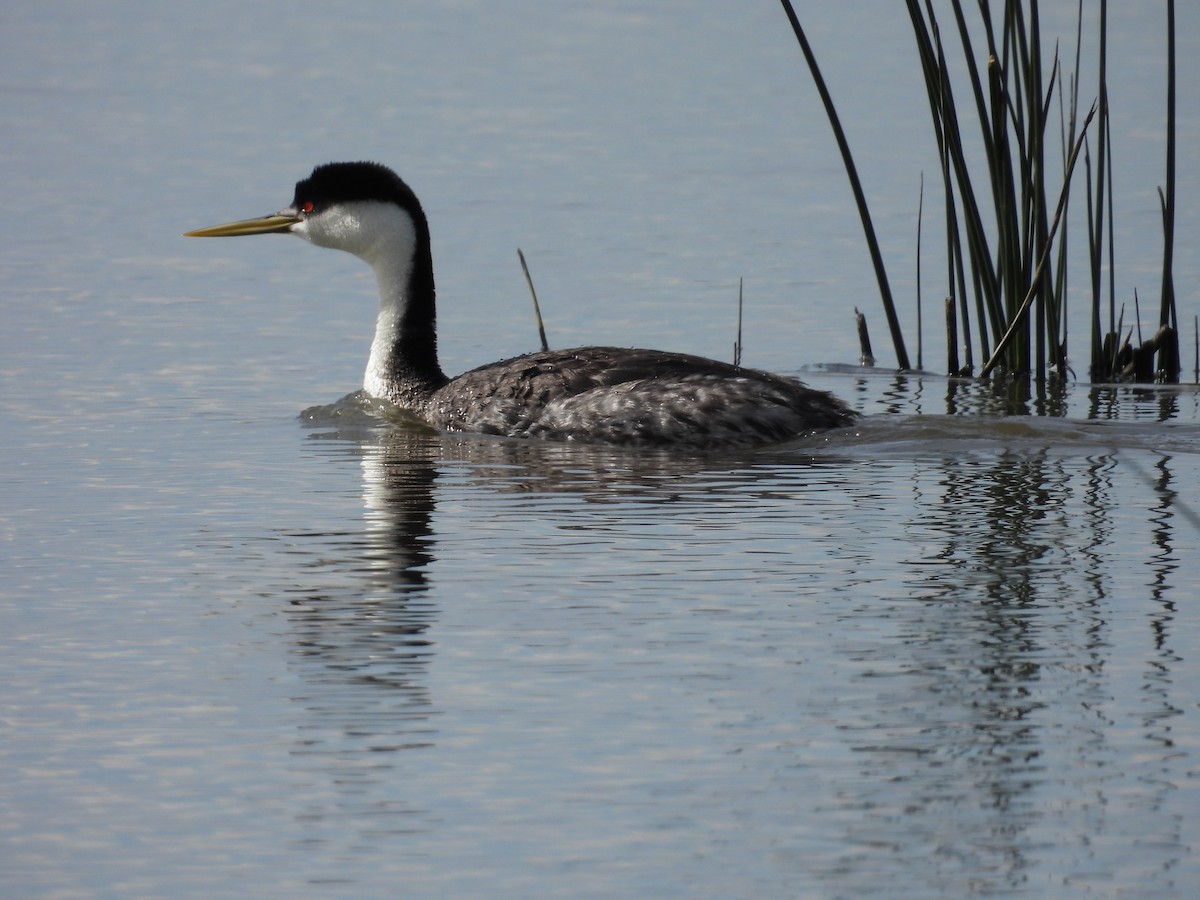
(276, 222)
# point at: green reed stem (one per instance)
(1045, 254)
(537, 310)
(1167, 314)
(860, 200)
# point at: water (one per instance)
(946, 653)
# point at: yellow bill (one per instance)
(276, 222)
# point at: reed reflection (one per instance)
(1015, 646)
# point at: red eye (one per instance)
(308, 207)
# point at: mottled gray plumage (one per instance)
(597, 394)
(623, 396)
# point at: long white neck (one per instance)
(403, 363)
(392, 276)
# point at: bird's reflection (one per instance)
(359, 631)
(365, 619)
(363, 609)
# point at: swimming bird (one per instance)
(597, 394)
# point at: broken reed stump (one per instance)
(1137, 364)
(952, 366)
(867, 358)
(1164, 345)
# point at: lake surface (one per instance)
(948, 652)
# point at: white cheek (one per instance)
(334, 228)
(380, 233)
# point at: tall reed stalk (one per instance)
(1169, 365)
(860, 199)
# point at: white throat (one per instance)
(384, 236)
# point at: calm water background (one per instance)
(943, 654)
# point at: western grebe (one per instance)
(598, 394)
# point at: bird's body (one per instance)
(597, 394)
(622, 396)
